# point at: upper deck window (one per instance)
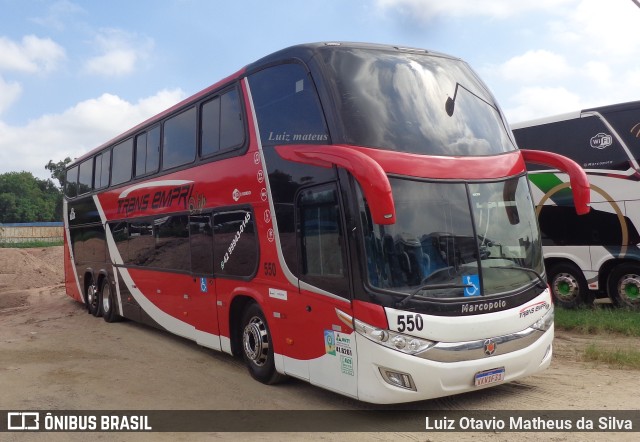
(85, 177)
(287, 106)
(222, 123)
(179, 146)
(101, 168)
(122, 162)
(71, 182)
(587, 141)
(396, 101)
(148, 151)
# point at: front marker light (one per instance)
(397, 379)
(390, 339)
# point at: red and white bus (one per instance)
(356, 216)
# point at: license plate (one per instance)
(489, 377)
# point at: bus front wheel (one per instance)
(568, 285)
(624, 285)
(257, 346)
(93, 300)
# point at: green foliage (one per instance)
(604, 320)
(599, 320)
(617, 358)
(30, 244)
(57, 170)
(25, 198)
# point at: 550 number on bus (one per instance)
(410, 323)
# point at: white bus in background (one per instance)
(597, 254)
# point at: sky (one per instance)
(74, 74)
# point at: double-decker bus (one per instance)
(598, 254)
(357, 216)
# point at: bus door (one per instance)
(327, 343)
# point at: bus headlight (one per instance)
(390, 339)
(545, 323)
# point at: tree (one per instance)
(58, 170)
(25, 198)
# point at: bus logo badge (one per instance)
(601, 141)
(237, 194)
(489, 347)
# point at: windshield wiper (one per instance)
(409, 297)
(524, 269)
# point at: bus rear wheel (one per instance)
(257, 346)
(568, 285)
(624, 285)
(108, 302)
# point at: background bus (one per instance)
(356, 216)
(597, 254)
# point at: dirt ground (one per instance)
(53, 355)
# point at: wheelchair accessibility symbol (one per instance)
(203, 285)
(472, 285)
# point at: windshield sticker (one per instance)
(471, 285)
(329, 342)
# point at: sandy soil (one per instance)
(53, 355)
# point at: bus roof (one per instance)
(303, 52)
(576, 114)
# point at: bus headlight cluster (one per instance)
(396, 341)
(545, 323)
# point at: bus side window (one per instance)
(141, 243)
(585, 140)
(201, 240)
(179, 143)
(148, 151)
(122, 162)
(85, 177)
(71, 182)
(222, 124)
(287, 106)
(235, 244)
(120, 232)
(101, 170)
(322, 240)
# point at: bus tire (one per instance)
(93, 300)
(257, 346)
(108, 302)
(624, 285)
(568, 285)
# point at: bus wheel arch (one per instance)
(236, 311)
(257, 345)
(568, 285)
(623, 285)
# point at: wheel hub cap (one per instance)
(565, 286)
(255, 341)
(630, 287)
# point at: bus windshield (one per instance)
(396, 101)
(454, 240)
